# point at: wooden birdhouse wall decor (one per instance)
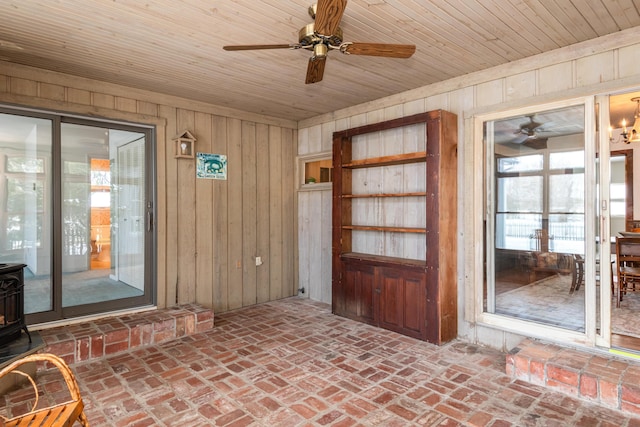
(184, 145)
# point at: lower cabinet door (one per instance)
(388, 297)
(359, 293)
(402, 302)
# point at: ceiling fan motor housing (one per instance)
(308, 37)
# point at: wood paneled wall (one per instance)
(209, 231)
(596, 67)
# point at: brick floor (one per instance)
(293, 363)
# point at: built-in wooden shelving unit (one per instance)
(416, 295)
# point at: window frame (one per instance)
(302, 162)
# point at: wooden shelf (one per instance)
(372, 196)
(397, 159)
(385, 229)
(383, 260)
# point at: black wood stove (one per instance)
(12, 321)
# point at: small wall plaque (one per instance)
(211, 166)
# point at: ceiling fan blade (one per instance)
(261, 46)
(315, 69)
(379, 49)
(328, 16)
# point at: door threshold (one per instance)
(625, 343)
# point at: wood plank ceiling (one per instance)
(175, 46)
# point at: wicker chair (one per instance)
(63, 414)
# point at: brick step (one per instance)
(602, 378)
(104, 337)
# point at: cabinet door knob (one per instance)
(378, 291)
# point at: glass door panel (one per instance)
(624, 220)
(536, 224)
(25, 204)
(103, 202)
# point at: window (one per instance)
(315, 172)
(524, 206)
(617, 197)
(618, 190)
(519, 205)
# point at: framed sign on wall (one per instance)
(211, 166)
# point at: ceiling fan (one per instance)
(325, 34)
(529, 135)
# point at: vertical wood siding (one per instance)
(209, 231)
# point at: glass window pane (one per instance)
(74, 211)
(618, 208)
(520, 194)
(566, 160)
(566, 193)
(100, 199)
(318, 171)
(520, 163)
(25, 165)
(567, 233)
(23, 193)
(516, 231)
(76, 168)
(20, 232)
(100, 178)
(618, 191)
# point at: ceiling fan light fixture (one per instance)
(632, 135)
(320, 50)
(635, 130)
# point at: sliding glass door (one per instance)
(539, 212)
(77, 211)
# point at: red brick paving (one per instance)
(292, 363)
